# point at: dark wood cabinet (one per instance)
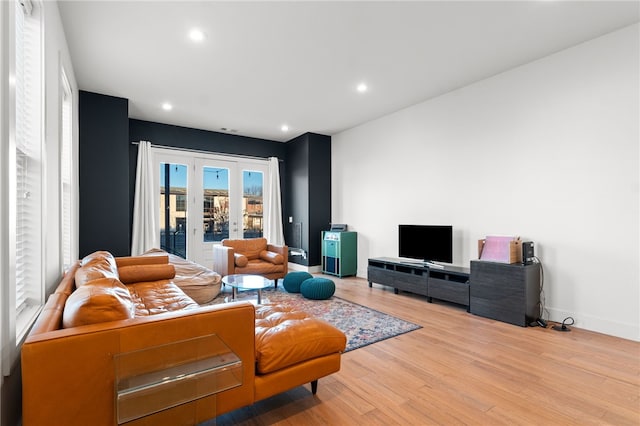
(450, 283)
(505, 292)
(400, 276)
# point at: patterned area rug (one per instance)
(363, 326)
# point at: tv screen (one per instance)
(428, 243)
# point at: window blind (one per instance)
(66, 171)
(28, 150)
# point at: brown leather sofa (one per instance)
(106, 306)
(251, 256)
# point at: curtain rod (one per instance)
(200, 151)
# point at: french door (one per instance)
(205, 199)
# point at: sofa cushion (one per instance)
(97, 256)
(250, 247)
(100, 264)
(271, 257)
(138, 273)
(240, 260)
(259, 267)
(285, 336)
(102, 300)
(156, 297)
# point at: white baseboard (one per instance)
(310, 269)
(599, 325)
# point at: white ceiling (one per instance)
(264, 64)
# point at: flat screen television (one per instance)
(426, 243)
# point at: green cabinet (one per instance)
(339, 253)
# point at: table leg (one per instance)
(259, 297)
(233, 293)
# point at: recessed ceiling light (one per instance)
(196, 35)
(284, 128)
(362, 88)
(167, 106)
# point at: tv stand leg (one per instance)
(429, 299)
(370, 284)
(395, 291)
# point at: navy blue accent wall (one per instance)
(309, 198)
(108, 168)
(297, 199)
(203, 140)
(104, 174)
(319, 193)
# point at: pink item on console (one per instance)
(503, 249)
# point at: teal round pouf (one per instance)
(317, 288)
(292, 281)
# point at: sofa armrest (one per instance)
(68, 375)
(284, 251)
(271, 257)
(50, 317)
(223, 260)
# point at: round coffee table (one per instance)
(247, 282)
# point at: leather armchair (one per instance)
(251, 256)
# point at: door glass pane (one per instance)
(252, 190)
(173, 208)
(215, 203)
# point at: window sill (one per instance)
(24, 321)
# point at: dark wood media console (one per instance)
(504, 292)
(450, 283)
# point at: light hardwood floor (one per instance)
(463, 369)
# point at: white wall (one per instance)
(547, 151)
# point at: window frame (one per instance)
(67, 193)
(35, 290)
(16, 325)
(5, 160)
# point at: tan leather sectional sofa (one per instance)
(106, 306)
